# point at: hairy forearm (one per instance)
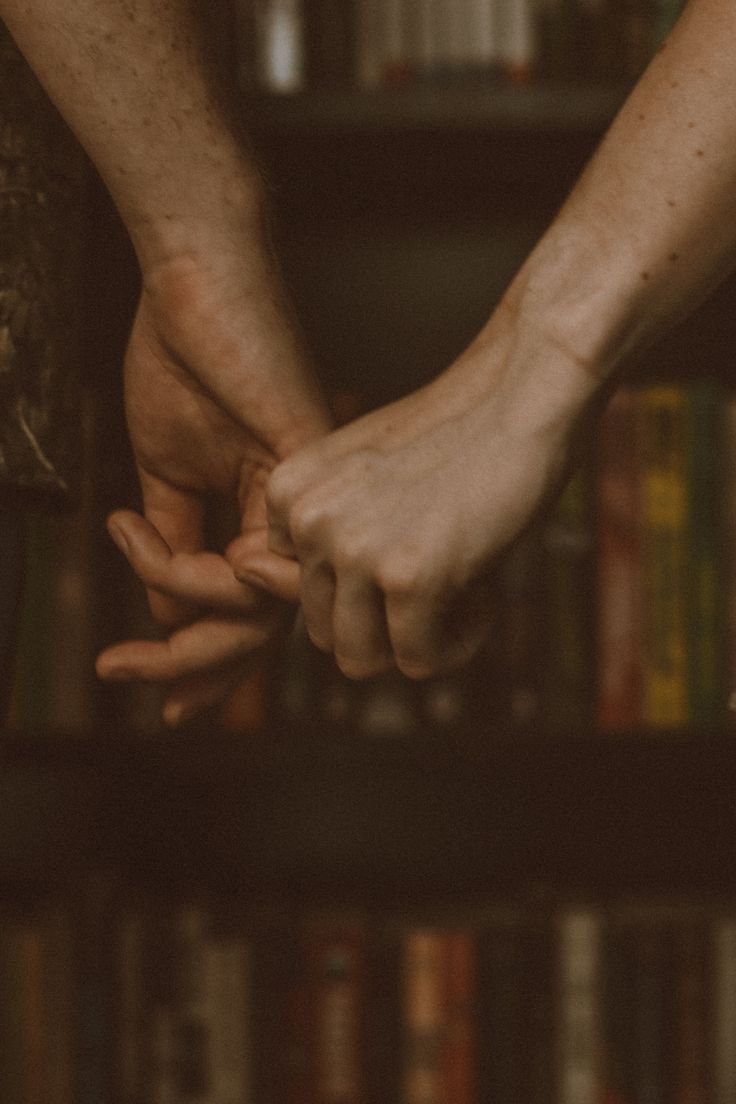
(650, 227)
(134, 80)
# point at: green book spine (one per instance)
(636, 1007)
(516, 1009)
(618, 1013)
(521, 599)
(568, 673)
(29, 708)
(14, 1051)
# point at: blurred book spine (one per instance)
(288, 46)
(665, 531)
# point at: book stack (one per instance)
(288, 46)
(198, 999)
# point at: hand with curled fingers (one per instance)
(397, 519)
(218, 391)
(216, 628)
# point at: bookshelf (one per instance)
(635, 814)
(414, 205)
(462, 105)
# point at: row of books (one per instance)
(221, 1003)
(289, 45)
(615, 611)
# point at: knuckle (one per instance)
(307, 518)
(352, 551)
(282, 486)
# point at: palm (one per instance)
(180, 435)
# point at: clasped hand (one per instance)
(386, 530)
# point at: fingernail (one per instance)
(119, 538)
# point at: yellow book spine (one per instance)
(664, 525)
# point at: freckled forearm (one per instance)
(134, 80)
(650, 228)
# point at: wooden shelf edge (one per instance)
(318, 742)
(462, 106)
(624, 812)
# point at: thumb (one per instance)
(261, 568)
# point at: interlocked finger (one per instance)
(202, 579)
(205, 645)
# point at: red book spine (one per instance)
(423, 1016)
(460, 1051)
(336, 955)
(619, 629)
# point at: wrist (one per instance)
(226, 219)
(573, 299)
(530, 372)
(224, 316)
